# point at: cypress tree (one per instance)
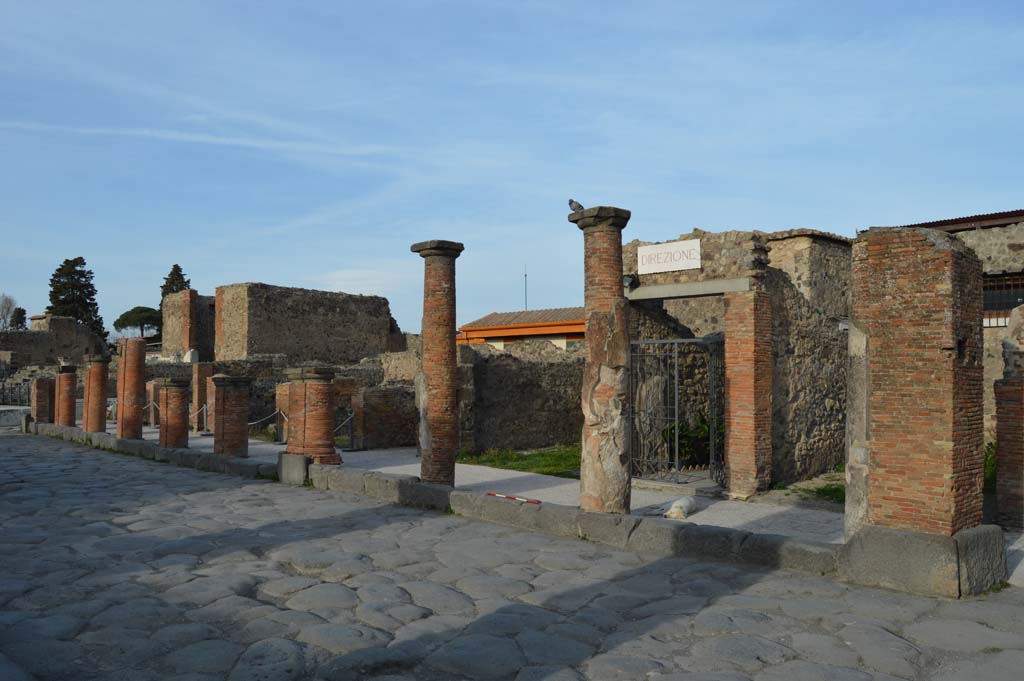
(72, 294)
(174, 281)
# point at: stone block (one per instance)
(385, 486)
(149, 450)
(74, 434)
(423, 495)
(497, 510)
(348, 480)
(132, 447)
(903, 560)
(319, 474)
(170, 455)
(607, 528)
(657, 536)
(188, 458)
(163, 455)
(982, 554)
(777, 551)
(553, 518)
(103, 441)
(465, 503)
(268, 471)
(244, 468)
(711, 542)
(25, 423)
(293, 469)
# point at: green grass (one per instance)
(562, 461)
(991, 449)
(833, 491)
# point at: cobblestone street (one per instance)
(112, 567)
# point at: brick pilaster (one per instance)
(42, 395)
(281, 394)
(201, 373)
(1010, 457)
(916, 299)
(604, 467)
(67, 393)
(439, 423)
(311, 414)
(94, 406)
(131, 387)
(173, 410)
(748, 391)
(231, 408)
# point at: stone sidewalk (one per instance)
(113, 567)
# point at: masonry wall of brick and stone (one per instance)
(256, 320)
(384, 416)
(49, 338)
(188, 324)
(1001, 251)
(805, 275)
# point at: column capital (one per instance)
(601, 216)
(66, 369)
(451, 249)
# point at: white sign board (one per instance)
(670, 257)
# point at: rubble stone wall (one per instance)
(257, 320)
(49, 338)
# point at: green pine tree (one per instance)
(174, 281)
(72, 294)
(19, 319)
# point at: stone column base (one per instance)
(293, 469)
(970, 562)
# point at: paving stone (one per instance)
(9, 671)
(962, 636)
(547, 648)
(548, 673)
(478, 656)
(280, 588)
(273, 659)
(801, 670)
(824, 649)
(750, 653)
(606, 667)
(342, 639)
(323, 597)
(177, 635)
(1004, 665)
(439, 599)
(206, 657)
(881, 649)
(206, 590)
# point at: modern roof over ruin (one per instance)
(525, 317)
(984, 221)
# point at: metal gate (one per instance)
(676, 409)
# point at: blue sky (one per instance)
(310, 143)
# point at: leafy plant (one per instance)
(991, 457)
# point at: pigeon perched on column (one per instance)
(575, 205)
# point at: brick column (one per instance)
(201, 372)
(67, 393)
(131, 387)
(231, 423)
(94, 407)
(604, 466)
(748, 392)
(42, 395)
(281, 393)
(1010, 462)
(438, 381)
(151, 414)
(173, 396)
(311, 414)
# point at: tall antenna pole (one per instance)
(526, 300)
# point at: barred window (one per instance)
(1003, 292)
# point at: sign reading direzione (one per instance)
(668, 257)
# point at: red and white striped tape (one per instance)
(506, 496)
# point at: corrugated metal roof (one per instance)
(982, 221)
(558, 314)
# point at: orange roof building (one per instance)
(562, 326)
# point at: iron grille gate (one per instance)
(676, 412)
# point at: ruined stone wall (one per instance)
(188, 324)
(50, 338)
(255, 320)
(525, 397)
(1001, 251)
(808, 286)
(385, 416)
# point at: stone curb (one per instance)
(150, 450)
(654, 536)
